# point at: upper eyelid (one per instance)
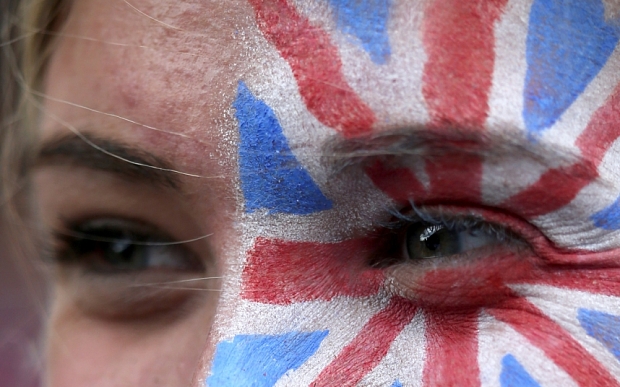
(72, 234)
(440, 215)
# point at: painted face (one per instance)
(377, 193)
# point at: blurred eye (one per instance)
(119, 246)
(424, 240)
(123, 269)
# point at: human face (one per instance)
(382, 193)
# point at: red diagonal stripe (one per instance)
(452, 349)
(460, 43)
(557, 344)
(553, 190)
(605, 281)
(558, 187)
(602, 131)
(369, 347)
(316, 65)
(284, 272)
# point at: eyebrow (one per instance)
(341, 153)
(107, 155)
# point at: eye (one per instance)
(120, 246)
(126, 270)
(455, 261)
(424, 240)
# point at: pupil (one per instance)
(433, 242)
(122, 252)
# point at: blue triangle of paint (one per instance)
(568, 43)
(271, 177)
(603, 327)
(366, 20)
(261, 360)
(514, 375)
(609, 217)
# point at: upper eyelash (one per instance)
(69, 234)
(402, 219)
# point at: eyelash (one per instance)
(394, 232)
(76, 241)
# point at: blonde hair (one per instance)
(27, 32)
(27, 37)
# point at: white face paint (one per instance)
(396, 193)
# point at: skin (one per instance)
(162, 79)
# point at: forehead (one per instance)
(372, 64)
(184, 76)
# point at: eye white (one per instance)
(425, 240)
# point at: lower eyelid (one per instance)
(463, 282)
(135, 296)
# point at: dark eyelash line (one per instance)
(70, 234)
(72, 241)
(401, 218)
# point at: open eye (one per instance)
(456, 261)
(425, 240)
(120, 246)
(122, 269)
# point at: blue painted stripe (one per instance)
(609, 217)
(271, 176)
(366, 20)
(603, 327)
(514, 375)
(568, 43)
(261, 360)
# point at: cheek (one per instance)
(84, 350)
(317, 314)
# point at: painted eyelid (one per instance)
(479, 277)
(503, 225)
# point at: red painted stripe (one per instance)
(460, 43)
(558, 187)
(369, 347)
(284, 272)
(602, 131)
(400, 184)
(552, 339)
(316, 65)
(452, 350)
(605, 281)
(454, 177)
(553, 190)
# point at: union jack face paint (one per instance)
(353, 111)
